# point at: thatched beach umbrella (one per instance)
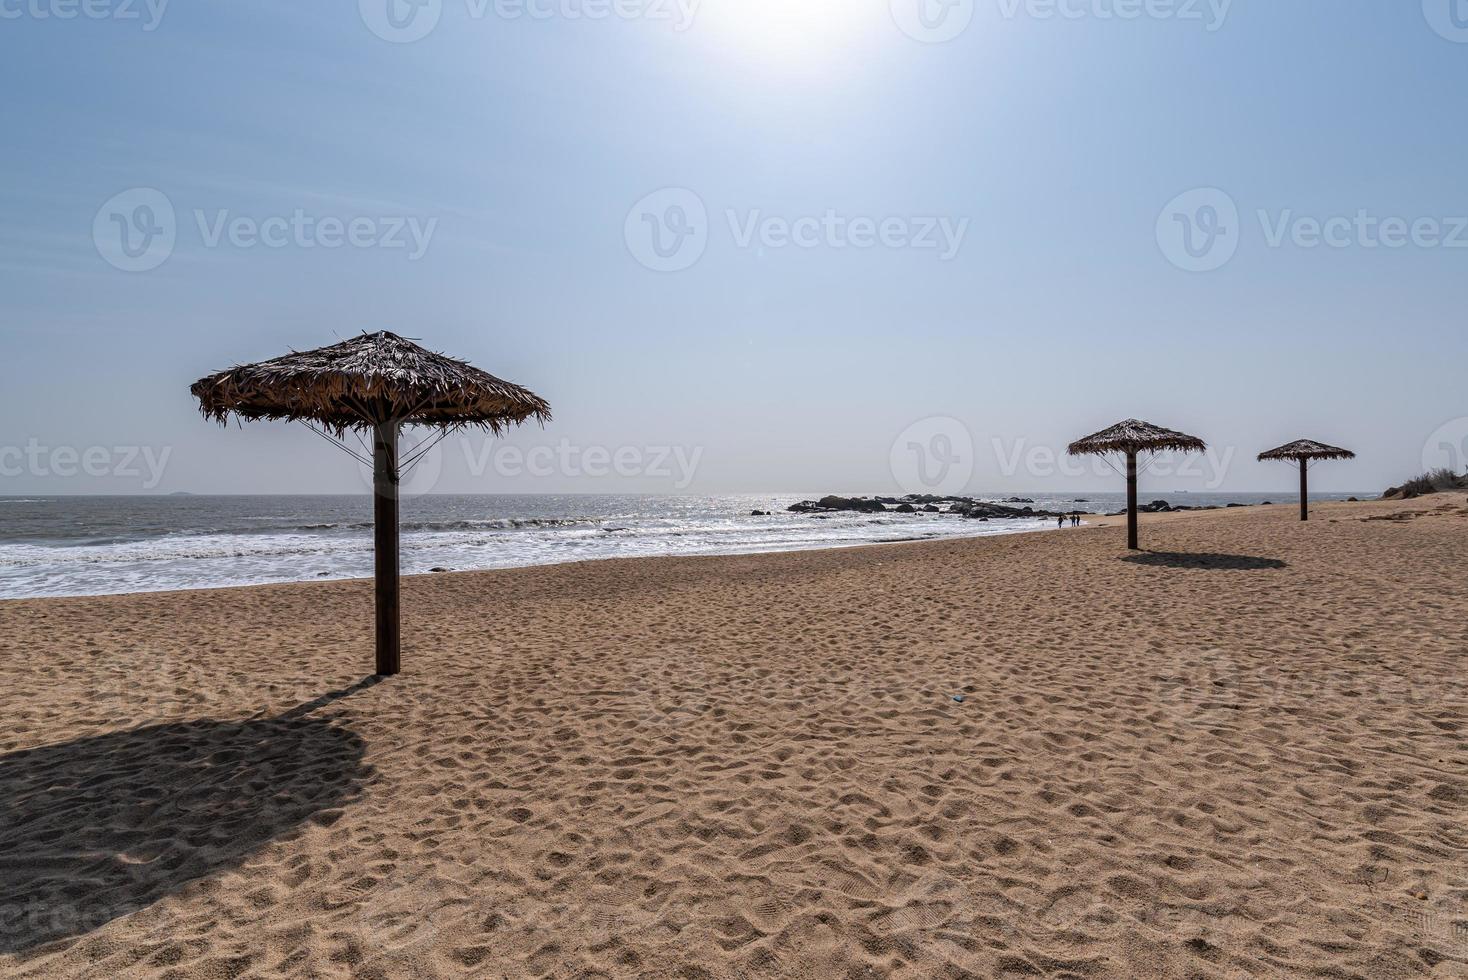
(377, 382)
(1128, 439)
(1303, 451)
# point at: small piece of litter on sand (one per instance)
(958, 698)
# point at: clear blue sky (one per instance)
(523, 143)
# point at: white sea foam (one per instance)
(327, 549)
(99, 545)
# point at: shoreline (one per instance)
(1090, 520)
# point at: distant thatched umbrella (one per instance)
(378, 382)
(1128, 439)
(1304, 450)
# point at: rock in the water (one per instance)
(831, 502)
(859, 504)
(925, 503)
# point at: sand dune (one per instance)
(1240, 754)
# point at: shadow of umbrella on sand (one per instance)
(1127, 439)
(103, 826)
(1304, 451)
(374, 383)
(1207, 561)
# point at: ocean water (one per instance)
(74, 545)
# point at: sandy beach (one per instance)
(1240, 753)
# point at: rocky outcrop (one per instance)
(966, 507)
(978, 509)
(831, 502)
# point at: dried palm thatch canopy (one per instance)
(1307, 449)
(362, 382)
(1303, 451)
(1129, 438)
(1135, 436)
(378, 382)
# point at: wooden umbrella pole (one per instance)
(1131, 501)
(1304, 490)
(385, 544)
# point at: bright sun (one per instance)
(790, 33)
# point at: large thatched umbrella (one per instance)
(378, 382)
(1303, 451)
(1128, 439)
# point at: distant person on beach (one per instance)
(1075, 520)
(1061, 521)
